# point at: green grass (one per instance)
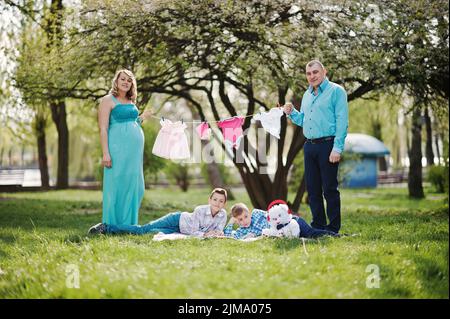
(41, 234)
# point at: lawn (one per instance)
(43, 246)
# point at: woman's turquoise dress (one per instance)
(123, 183)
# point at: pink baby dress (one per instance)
(171, 142)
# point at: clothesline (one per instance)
(199, 121)
(171, 141)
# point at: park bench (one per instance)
(391, 178)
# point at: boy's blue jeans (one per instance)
(167, 224)
(307, 231)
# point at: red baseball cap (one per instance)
(278, 202)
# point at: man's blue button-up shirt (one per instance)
(324, 114)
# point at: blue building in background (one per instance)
(360, 167)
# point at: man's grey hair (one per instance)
(313, 62)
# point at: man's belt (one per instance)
(319, 140)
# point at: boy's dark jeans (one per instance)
(307, 231)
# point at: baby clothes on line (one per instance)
(204, 131)
(271, 121)
(171, 141)
(232, 131)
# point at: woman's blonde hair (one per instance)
(132, 92)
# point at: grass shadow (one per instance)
(76, 239)
(432, 275)
(7, 239)
(286, 244)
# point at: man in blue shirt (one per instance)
(324, 117)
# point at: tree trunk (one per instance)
(299, 196)
(53, 26)
(376, 131)
(261, 189)
(214, 176)
(183, 183)
(39, 127)
(59, 117)
(382, 164)
(429, 143)
(22, 157)
(215, 179)
(438, 153)
(212, 169)
(415, 187)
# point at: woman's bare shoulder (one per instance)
(107, 100)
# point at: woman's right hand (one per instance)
(106, 161)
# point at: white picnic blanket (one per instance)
(176, 236)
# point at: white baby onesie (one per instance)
(271, 121)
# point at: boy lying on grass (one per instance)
(206, 221)
(252, 224)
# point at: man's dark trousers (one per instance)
(321, 181)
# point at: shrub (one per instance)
(179, 173)
(438, 177)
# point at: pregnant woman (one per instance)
(122, 142)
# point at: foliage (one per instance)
(212, 48)
(224, 171)
(438, 177)
(297, 171)
(180, 174)
(49, 69)
(239, 56)
(84, 140)
(419, 47)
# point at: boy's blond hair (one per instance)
(220, 191)
(238, 209)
